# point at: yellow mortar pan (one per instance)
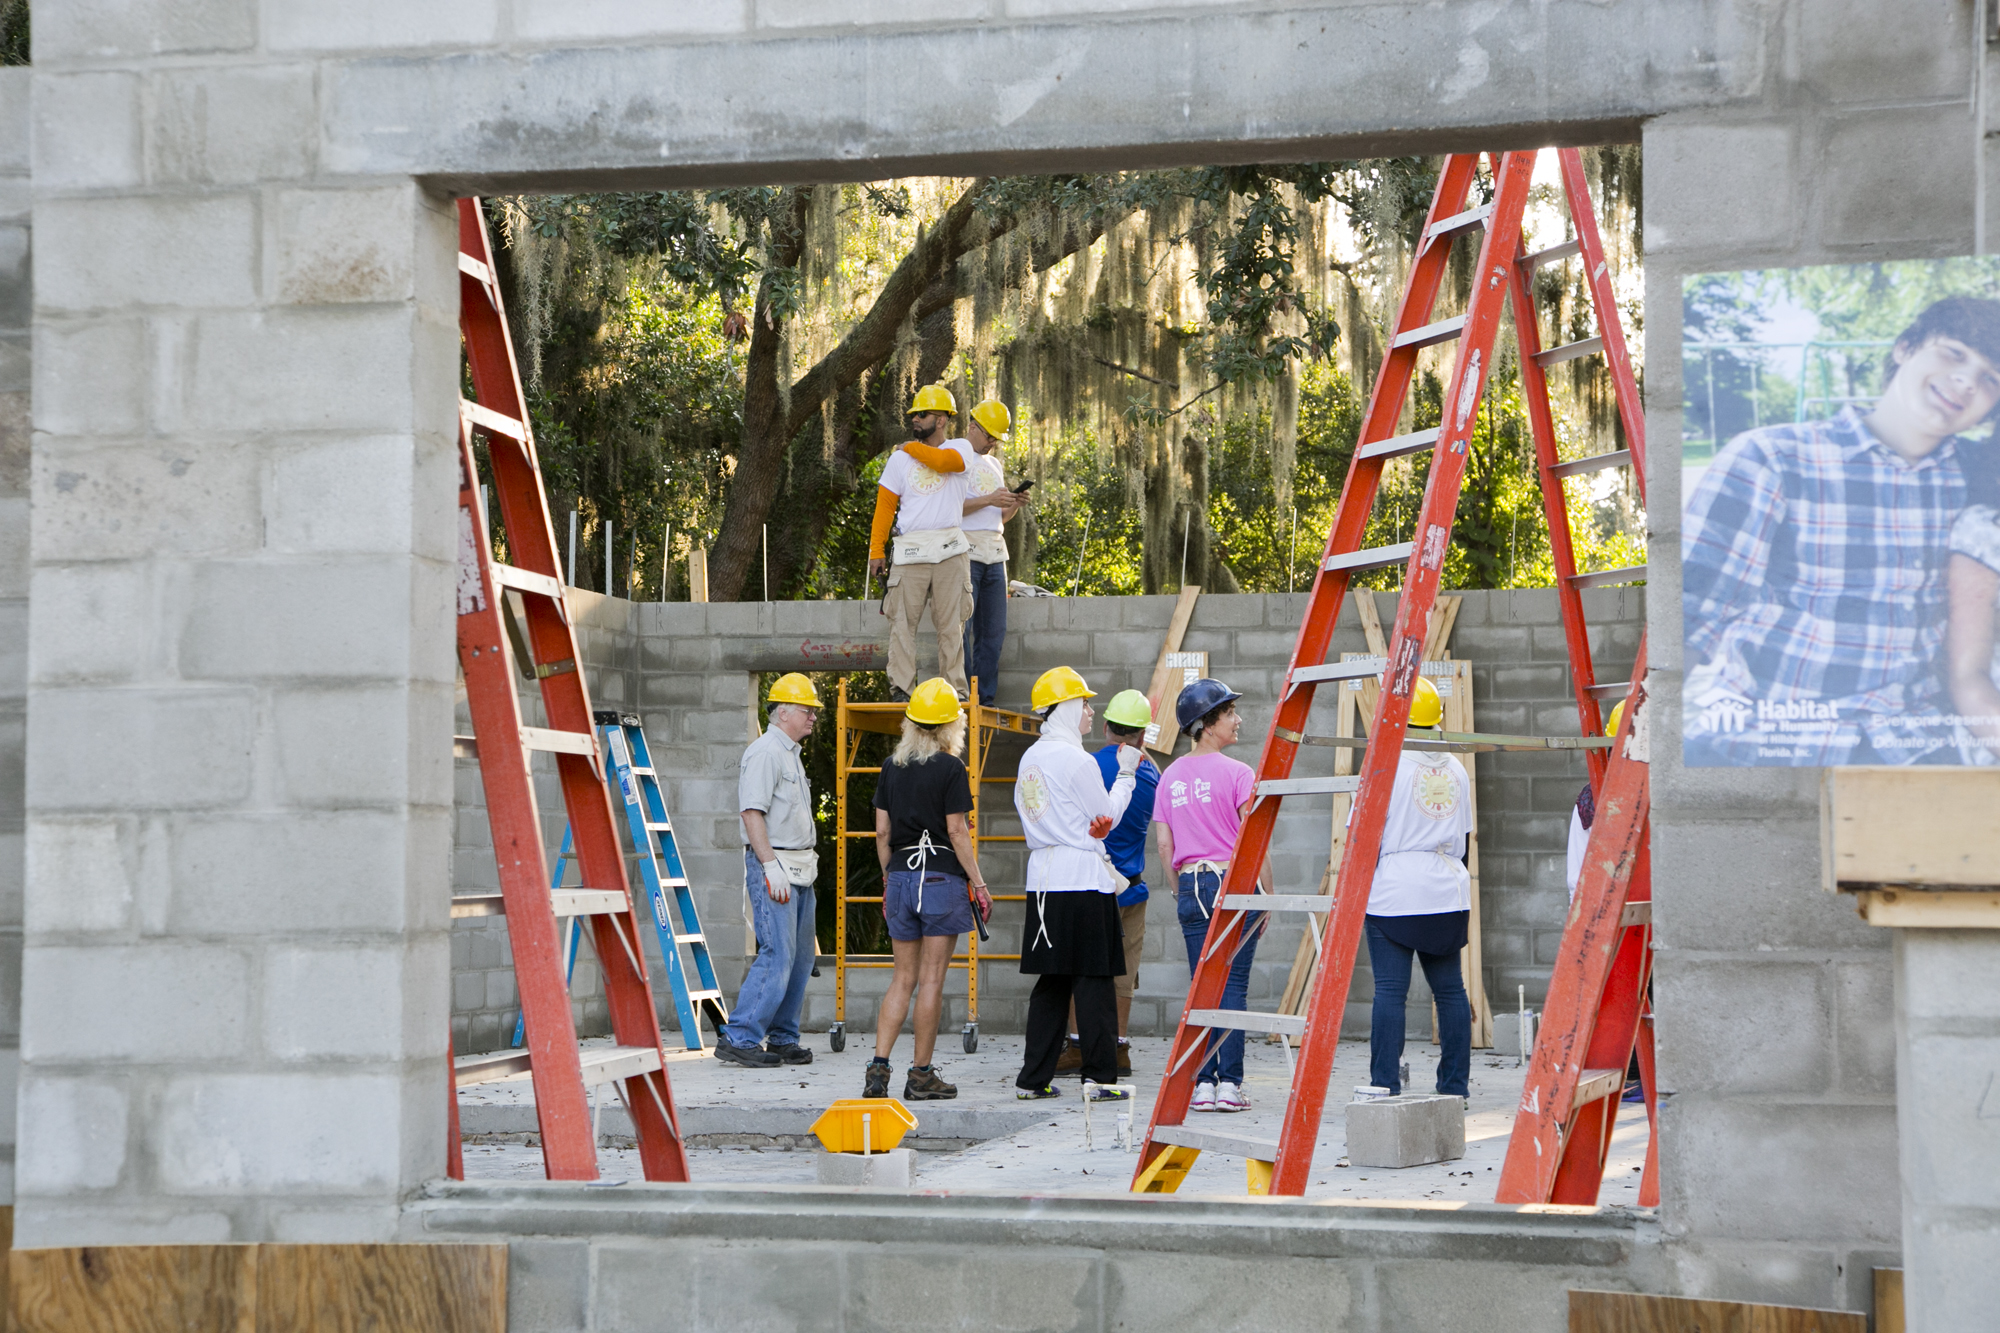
(840, 1129)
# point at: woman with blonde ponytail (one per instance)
(931, 883)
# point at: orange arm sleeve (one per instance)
(937, 460)
(885, 519)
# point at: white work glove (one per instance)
(776, 882)
(1129, 758)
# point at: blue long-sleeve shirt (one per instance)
(1126, 843)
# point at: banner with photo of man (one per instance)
(1840, 539)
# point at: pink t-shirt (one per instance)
(1198, 801)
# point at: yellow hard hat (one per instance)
(1057, 685)
(1426, 709)
(794, 688)
(1611, 726)
(933, 398)
(993, 417)
(933, 703)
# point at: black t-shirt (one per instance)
(917, 797)
(1980, 462)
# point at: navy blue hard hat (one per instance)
(1200, 699)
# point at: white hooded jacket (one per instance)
(1058, 792)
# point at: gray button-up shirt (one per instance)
(772, 778)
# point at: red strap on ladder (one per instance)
(1498, 279)
(552, 1059)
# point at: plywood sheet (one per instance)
(260, 1289)
(1627, 1312)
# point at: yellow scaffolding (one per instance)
(853, 720)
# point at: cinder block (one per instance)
(78, 1002)
(98, 625)
(185, 750)
(380, 24)
(348, 1002)
(314, 620)
(168, 250)
(87, 130)
(73, 1134)
(86, 866)
(90, 378)
(230, 1133)
(1507, 1030)
(103, 503)
(1404, 1131)
(350, 870)
(892, 1170)
(1718, 187)
(353, 496)
(230, 125)
(317, 368)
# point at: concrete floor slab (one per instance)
(750, 1127)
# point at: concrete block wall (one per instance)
(16, 300)
(688, 667)
(1779, 1146)
(236, 960)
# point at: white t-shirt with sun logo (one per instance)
(1430, 814)
(926, 500)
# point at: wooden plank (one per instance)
(1945, 909)
(1910, 827)
(260, 1289)
(1628, 1312)
(1160, 737)
(1298, 985)
(134, 1289)
(1889, 1300)
(359, 1288)
(1437, 634)
(697, 575)
(1459, 708)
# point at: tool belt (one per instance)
(988, 546)
(928, 547)
(801, 864)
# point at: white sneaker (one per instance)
(1204, 1097)
(1229, 1097)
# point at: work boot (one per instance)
(793, 1054)
(750, 1057)
(1124, 1059)
(924, 1085)
(1071, 1059)
(875, 1083)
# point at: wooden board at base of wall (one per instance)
(1629, 1312)
(259, 1288)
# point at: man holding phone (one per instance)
(988, 506)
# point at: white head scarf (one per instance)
(1065, 723)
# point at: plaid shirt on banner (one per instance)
(1813, 570)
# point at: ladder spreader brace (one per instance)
(635, 1063)
(1283, 1166)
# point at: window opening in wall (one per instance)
(717, 378)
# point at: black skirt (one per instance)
(1083, 935)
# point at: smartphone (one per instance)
(1025, 487)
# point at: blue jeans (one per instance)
(1391, 962)
(774, 990)
(986, 627)
(1194, 903)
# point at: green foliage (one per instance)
(13, 32)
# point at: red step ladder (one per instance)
(635, 1064)
(1282, 1166)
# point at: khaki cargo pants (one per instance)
(947, 585)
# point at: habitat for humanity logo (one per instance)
(1723, 710)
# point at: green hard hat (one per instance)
(1129, 709)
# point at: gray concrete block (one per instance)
(378, 25)
(195, 748)
(1508, 1029)
(172, 251)
(80, 1130)
(198, 1003)
(1872, 189)
(892, 1170)
(230, 125)
(102, 503)
(87, 130)
(1719, 186)
(1409, 1130)
(1754, 1169)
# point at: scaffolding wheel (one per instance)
(971, 1038)
(836, 1037)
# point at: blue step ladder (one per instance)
(636, 785)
